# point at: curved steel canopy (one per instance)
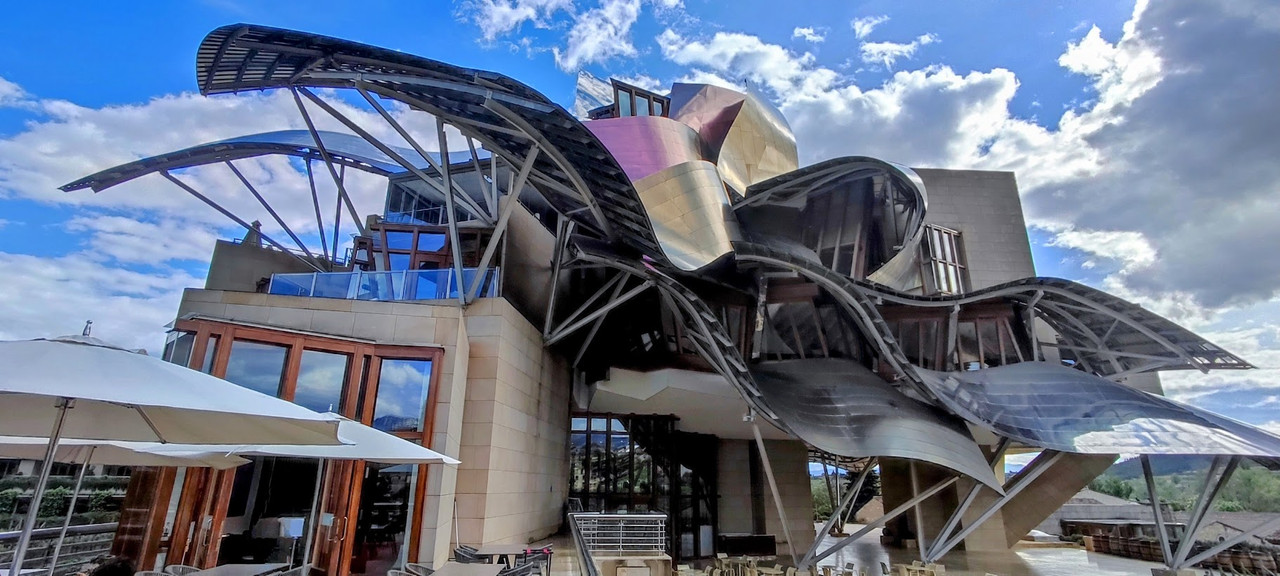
(345, 149)
(1059, 408)
(843, 408)
(574, 172)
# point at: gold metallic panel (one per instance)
(690, 213)
(749, 139)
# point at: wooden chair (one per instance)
(418, 569)
(180, 569)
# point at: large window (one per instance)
(403, 386)
(257, 366)
(635, 101)
(942, 258)
(321, 378)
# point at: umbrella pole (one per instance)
(20, 551)
(311, 523)
(66, 522)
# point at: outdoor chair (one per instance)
(398, 573)
(418, 569)
(884, 569)
(791, 571)
(180, 569)
(151, 573)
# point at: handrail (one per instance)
(74, 553)
(439, 284)
(623, 534)
(588, 565)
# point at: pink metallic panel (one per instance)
(643, 145)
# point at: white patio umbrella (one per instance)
(360, 443)
(89, 452)
(81, 387)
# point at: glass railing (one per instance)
(396, 285)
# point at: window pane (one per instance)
(210, 353)
(402, 395)
(398, 261)
(400, 240)
(599, 424)
(579, 424)
(257, 366)
(430, 242)
(657, 107)
(178, 349)
(320, 379)
(624, 104)
(642, 106)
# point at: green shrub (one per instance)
(100, 500)
(55, 502)
(9, 500)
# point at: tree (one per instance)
(1108, 484)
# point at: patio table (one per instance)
(241, 570)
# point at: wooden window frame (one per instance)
(360, 387)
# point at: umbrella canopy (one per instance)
(75, 451)
(360, 443)
(122, 395)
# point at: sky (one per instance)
(1143, 137)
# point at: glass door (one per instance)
(331, 552)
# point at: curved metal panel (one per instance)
(574, 171)
(1060, 408)
(345, 149)
(643, 145)
(690, 213)
(758, 146)
(843, 408)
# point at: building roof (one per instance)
(345, 149)
(574, 170)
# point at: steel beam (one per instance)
(1032, 471)
(595, 327)
(236, 219)
(1261, 529)
(270, 210)
(315, 202)
(1220, 472)
(328, 162)
(890, 515)
(454, 239)
(574, 327)
(564, 227)
(1165, 553)
(932, 555)
(773, 487)
(501, 228)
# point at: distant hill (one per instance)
(1160, 466)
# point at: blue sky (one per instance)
(1142, 136)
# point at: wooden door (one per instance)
(202, 511)
(331, 552)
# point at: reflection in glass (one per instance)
(257, 366)
(577, 472)
(400, 240)
(178, 348)
(321, 376)
(430, 242)
(402, 395)
(210, 353)
(382, 523)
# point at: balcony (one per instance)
(399, 285)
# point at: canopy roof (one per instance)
(573, 170)
(345, 149)
(74, 451)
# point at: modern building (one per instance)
(652, 309)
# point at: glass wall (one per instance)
(257, 366)
(403, 386)
(321, 379)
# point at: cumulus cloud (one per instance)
(889, 52)
(12, 95)
(808, 34)
(863, 26)
(498, 17)
(599, 34)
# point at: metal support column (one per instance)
(1029, 473)
(890, 515)
(1165, 552)
(773, 487)
(996, 454)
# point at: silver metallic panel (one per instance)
(843, 408)
(748, 138)
(1060, 408)
(690, 213)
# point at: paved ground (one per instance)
(868, 553)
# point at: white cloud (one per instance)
(12, 95)
(54, 296)
(863, 26)
(599, 34)
(498, 17)
(1126, 246)
(887, 53)
(808, 34)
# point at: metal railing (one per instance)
(439, 284)
(83, 543)
(621, 534)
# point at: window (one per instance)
(635, 101)
(257, 366)
(321, 377)
(403, 386)
(942, 258)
